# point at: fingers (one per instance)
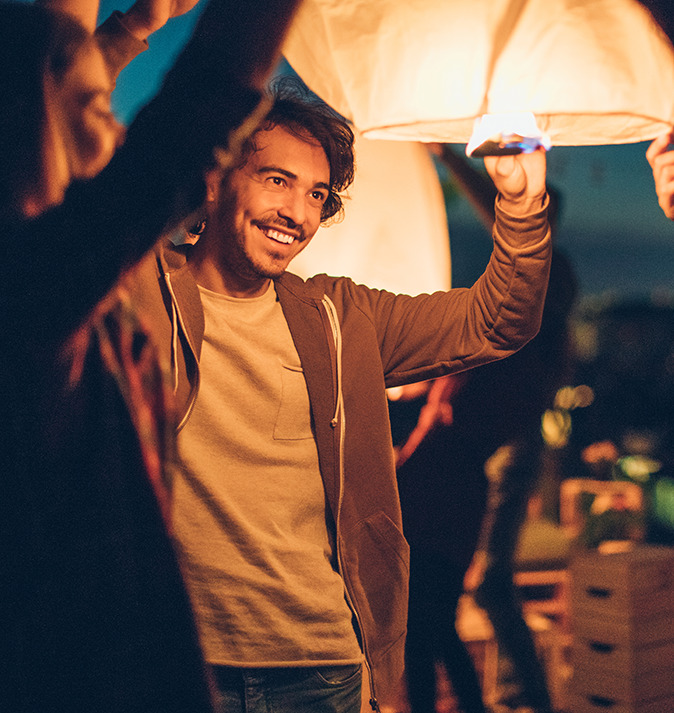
(503, 165)
(661, 160)
(528, 165)
(500, 166)
(180, 7)
(520, 179)
(664, 187)
(659, 146)
(509, 178)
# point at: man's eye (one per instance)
(319, 196)
(277, 180)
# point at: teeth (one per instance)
(278, 236)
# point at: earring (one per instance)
(198, 228)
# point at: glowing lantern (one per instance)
(591, 71)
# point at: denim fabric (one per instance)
(326, 689)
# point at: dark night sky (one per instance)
(611, 226)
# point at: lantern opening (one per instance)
(506, 133)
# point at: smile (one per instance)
(278, 236)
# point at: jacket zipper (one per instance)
(339, 421)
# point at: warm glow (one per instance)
(592, 72)
(556, 427)
(515, 132)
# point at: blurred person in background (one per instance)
(443, 496)
(498, 410)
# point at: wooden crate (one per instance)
(594, 704)
(632, 688)
(606, 644)
(622, 608)
(623, 586)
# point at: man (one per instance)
(285, 508)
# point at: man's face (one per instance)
(270, 208)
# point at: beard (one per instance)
(241, 260)
(273, 262)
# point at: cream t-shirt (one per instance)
(250, 514)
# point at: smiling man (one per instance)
(285, 507)
(275, 207)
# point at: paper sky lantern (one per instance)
(591, 71)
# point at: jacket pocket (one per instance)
(293, 420)
(376, 565)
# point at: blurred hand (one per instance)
(147, 16)
(520, 179)
(661, 160)
(436, 412)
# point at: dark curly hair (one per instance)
(300, 112)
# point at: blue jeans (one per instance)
(326, 689)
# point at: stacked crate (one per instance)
(622, 606)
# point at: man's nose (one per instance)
(294, 207)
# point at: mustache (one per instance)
(276, 221)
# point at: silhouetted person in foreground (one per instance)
(93, 612)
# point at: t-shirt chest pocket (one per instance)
(293, 420)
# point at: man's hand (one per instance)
(661, 160)
(147, 16)
(520, 180)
